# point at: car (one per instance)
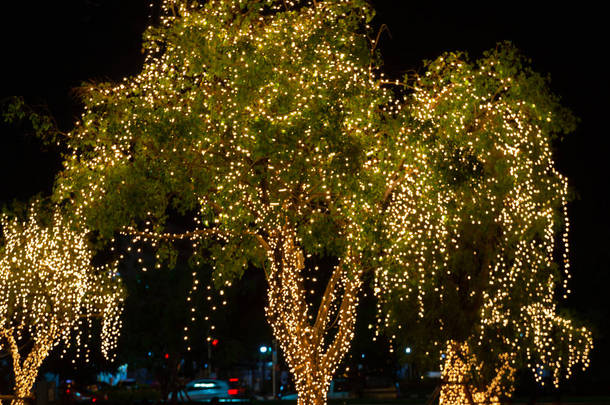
(211, 390)
(72, 393)
(338, 389)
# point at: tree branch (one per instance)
(347, 320)
(327, 299)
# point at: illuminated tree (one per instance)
(48, 290)
(472, 228)
(262, 127)
(253, 118)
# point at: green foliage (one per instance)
(251, 116)
(15, 111)
(473, 230)
(246, 115)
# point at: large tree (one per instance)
(251, 120)
(48, 290)
(262, 125)
(476, 225)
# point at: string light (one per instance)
(254, 115)
(459, 368)
(270, 122)
(472, 224)
(47, 287)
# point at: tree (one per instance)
(48, 290)
(472, 229)
(255, 119)
(259, 132)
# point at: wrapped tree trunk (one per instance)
(457, 387)
(25, 371)
(312, 355)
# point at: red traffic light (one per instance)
(215, 342)
(166, 356)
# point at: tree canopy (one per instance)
(242, 110)
(255, 122)
(475, 228)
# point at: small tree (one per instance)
(472, 228)
(47, 287)
(254, 118)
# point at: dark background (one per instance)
(49, 48)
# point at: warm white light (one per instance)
(48, 290)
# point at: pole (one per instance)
(209, 369)
(274, 359)
(263, 375)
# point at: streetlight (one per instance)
(263, 351)
(408, 352)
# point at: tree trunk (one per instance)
(27, 374)
(456, 378)
(312, 395)
(312, 354)
(314, 390)
(27, 371)
(22, 390)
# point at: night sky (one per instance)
(49, 48)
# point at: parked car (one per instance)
(338, 390)
(211, 390)
(92, 393)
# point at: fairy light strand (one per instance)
(473, 223)
(48, 287)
